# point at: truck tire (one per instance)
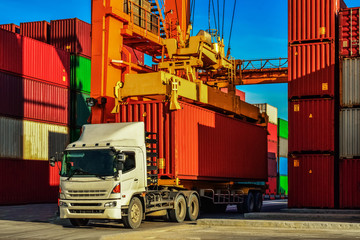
(135, 214)
(78, 222)
(193, 208)
(258, 202)
(249, 203)
(178, 213)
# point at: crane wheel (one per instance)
(178, 213)
(135, 214)
(193, 208)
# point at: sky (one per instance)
(259, 31)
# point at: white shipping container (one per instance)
(22, 139)
(283, 147)
(350, 133)
(271, 111)
(350, 82)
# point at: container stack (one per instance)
(74, 36)
(282, 158)
(34, 82)
(349, 164)
(10, 27)
(312, 103)
(272, 142)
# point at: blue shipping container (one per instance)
(283, 166)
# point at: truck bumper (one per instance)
(91, 209)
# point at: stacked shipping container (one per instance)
(349, 131)
(34, 81)
(312, 103)
(272, 143)
(283, 157)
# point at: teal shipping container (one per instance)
(283, 131)
(80, 73)
(79, 111)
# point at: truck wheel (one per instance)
(178, 213)
(77, 222)
(249, 203)
(193, 208)
(258, 202)
(135, 214)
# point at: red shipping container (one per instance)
(272, 129)
(33, 99)
(38, 182)
(272, 183)
(311, 70)
(312, 20)
(200, 144)
(273, 147)
(349, 29)
(349, 183)
(33, 59)
(10, 27)
(272, 165)
(36, 30)
(238, 93)
(311, 125)
(72, 35)
(137, 57)
(311, 181)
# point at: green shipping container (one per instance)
(74, 134)
(79, 111)
(283, 131)
(283, 185)
(80, 73)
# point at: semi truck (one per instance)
(113, 172)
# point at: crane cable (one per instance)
(209, 13)
(232, 21)
(218, 13)
(222, 27)
(192, 14)
(177, 12)
(214, 12)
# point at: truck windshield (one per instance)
(88, 163)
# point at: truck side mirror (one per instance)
(52, 161)
(119, 166)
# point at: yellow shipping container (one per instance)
(23, 139)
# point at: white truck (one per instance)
(107, 174)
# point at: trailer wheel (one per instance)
(249, 203)
(78, 222)
(193, 208)
(258, 202)
(178, 213)
(135, 214)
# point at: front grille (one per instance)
(87, 193)
(85, 211)
(85, 204)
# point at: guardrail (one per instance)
(259, 64)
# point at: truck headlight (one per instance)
(62, 204)
(110, 204)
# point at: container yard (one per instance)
(140, 112)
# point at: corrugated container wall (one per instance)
(272, 183)
(79, 111)
(80, 73)
(349, 24)
(311, 70)
(283, 128)
(22, 139)
(311, 181)
(350, 133)
(283, 185)
(238, 93)
(10, 27)
(350, 82)
(311, 125)
(193, 140)
(271, 111)
(28, 181)
(350, 183)
(312, 20)
(272, 165)
(36, 30)
(137, 57)
(27, 57)
(29, 99)
(283, 166)
(283, 147)
(272, 130)
(72, 35)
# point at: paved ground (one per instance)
(40, 222)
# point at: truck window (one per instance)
(129, 163)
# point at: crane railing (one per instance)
(260, 64)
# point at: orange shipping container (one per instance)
(200, 144)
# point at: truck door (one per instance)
(132, 179)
